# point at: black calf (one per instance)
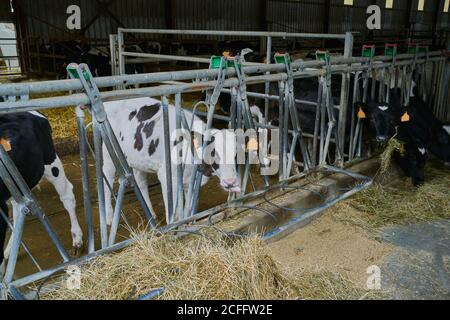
(412, 156)
(31, 148)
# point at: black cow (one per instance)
(27, 138)
(415, 127)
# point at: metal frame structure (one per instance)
(231, 76)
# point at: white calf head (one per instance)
(220, 156)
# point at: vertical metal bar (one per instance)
(113, 46)
(85, 179)
(100, 185)
(167, 158)
(348, 49)
(267, 84)
(317, 122)
(15, 245)
(24, 245)
(117, 211)
(120, 44)
(180, 173)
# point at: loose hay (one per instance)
(400, 203)
(210, 267)
(386, 156)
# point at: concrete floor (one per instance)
(419, 266)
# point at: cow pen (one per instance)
(329, 152)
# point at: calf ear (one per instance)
(6, 144)
(405, 117)
(360, 110)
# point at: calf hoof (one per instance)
(77, 242)
(418, 184)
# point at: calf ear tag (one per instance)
(405, 117)
(5, 144)
(361, 113)
(252, 144)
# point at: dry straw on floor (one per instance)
(399, 202)
(202, 267)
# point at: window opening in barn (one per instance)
(421, 5)
(446, 5)
(389, 4)
(348, 2)
(9, 61)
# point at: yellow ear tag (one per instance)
(252, 144)
(5, 144)
(196, 143)
(361, 113)
(226, 53)
(405, 117)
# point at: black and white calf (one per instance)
(415, 127)
(27, 138)
(138, 126)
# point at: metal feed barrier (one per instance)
(225, 76)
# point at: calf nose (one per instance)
(229, 182)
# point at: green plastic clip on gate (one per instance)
(390, 49)
(368, 51)
(417, 48)
(323, 55)
(72, 70)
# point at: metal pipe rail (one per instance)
(232, 33)
(81, 98)
(26, 88)
(236, 81)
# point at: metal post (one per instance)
(344, 94)
(120, 44)
(167, 158)
(82, 136)
(267, 84)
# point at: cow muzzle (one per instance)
(231, 185)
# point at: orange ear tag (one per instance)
(252, 144)
(405, 117)
(196, 143)
(361, 113)
(5, 144)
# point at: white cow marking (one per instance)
(383, 108)
(447, 129)
(421, 150)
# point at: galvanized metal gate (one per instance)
(230, 76)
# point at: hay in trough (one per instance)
(400, 203)
(206, 267)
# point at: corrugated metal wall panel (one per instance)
(295, 16)
(211, 15)
(47, 18)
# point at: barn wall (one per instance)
(46, 19)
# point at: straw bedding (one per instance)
(212, 266)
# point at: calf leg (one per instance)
(142, 183)
(55, 174)
(109, 170)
